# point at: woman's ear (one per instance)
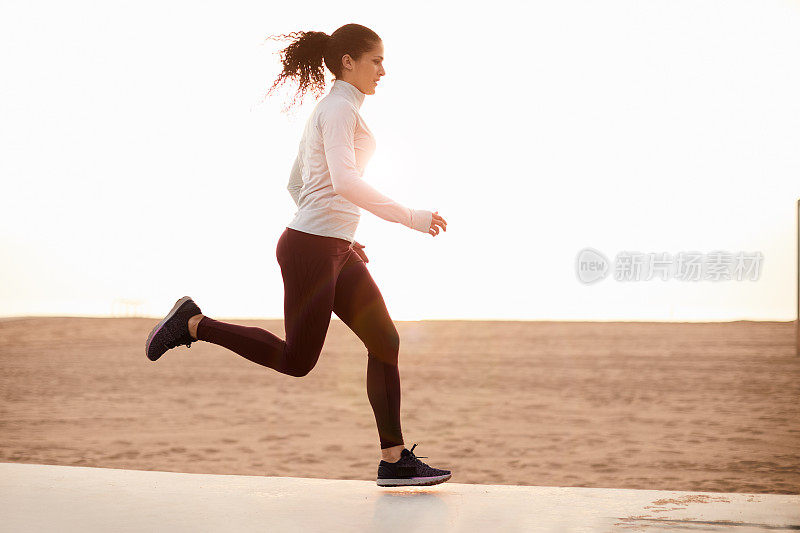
(347, 62)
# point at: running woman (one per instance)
(323, 267)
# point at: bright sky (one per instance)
(140, 161)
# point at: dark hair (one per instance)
(303, 58)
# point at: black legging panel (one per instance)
(323, 275)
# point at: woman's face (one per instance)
(364, 73)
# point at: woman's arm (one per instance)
(338, 124)
(295, 181)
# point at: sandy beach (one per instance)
(673, 406)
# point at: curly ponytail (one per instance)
(303, 58)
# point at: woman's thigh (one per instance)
(309, 281)
(358, 302)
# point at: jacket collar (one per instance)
(349, 91)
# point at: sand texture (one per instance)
(673, 406)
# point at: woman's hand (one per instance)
(436, 222)
(359, 248)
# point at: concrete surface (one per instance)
(82, 499)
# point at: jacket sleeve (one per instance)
(338, 126)
(295, 181)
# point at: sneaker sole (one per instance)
(160, 325)
(414, 481)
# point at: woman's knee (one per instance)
(394, 341)
(298, 363)
(388, 350)
(299, 370)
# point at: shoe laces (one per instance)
(411, 451)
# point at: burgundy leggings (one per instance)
(320, 275)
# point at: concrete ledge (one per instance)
(82, 499)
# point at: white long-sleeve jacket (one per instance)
(325, 181)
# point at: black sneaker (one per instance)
(409, 470)
(173, 330)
